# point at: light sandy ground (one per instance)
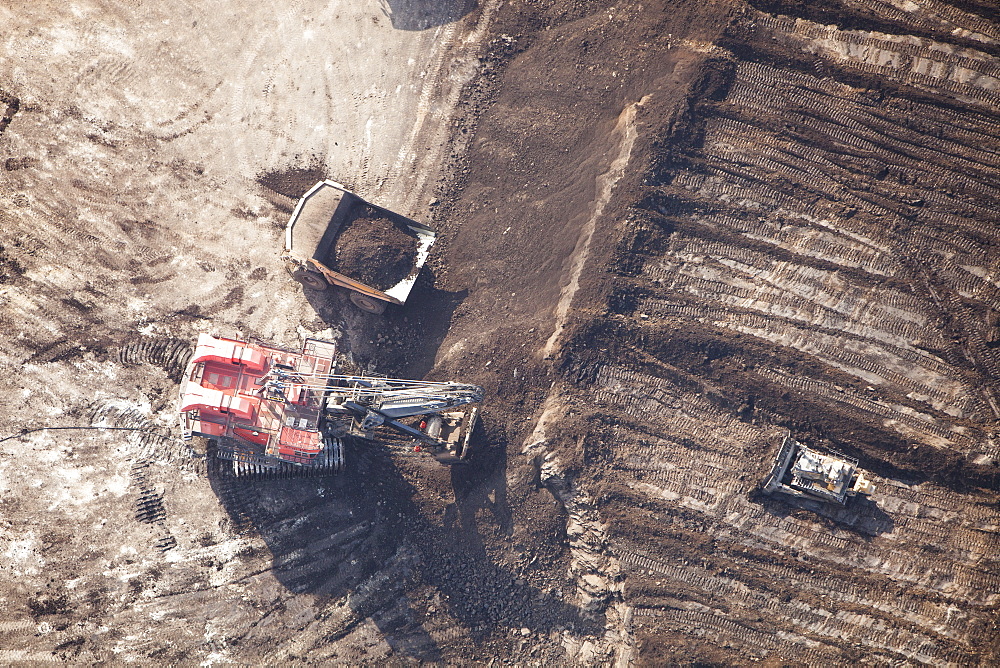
(146, 126)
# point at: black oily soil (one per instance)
(375, 251)
(292, 183)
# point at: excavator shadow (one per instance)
(336, 543)
(480, 487)
(485, 596)
(424, 14)
(360, 547)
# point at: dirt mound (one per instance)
(292, 182)
(374, 250)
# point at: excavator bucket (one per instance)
(454, 431)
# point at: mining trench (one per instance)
(669, 234)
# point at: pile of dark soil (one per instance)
(292, 182)
(374, 250)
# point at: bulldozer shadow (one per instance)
(360, 548)
(424, 14)
(860, 516)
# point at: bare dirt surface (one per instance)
(670, 231)
(374, 250)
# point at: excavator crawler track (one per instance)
(239, 463)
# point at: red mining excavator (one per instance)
(274, 412)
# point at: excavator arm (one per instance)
(449, 418)
(275, 410)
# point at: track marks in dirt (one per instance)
(150, 441)
(814, 252)
(952, 22)
(889, 346)
(171, 355)
(965, 73)
(11, 106)
(149, 507)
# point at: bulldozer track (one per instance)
(911, 608)
(732, 135)
(937, 16)
(808, 241)
(665, 472)
(752, 641)
(836, 314)
(902, 60)
(805, 619)
(836, 348)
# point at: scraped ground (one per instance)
(670, 232)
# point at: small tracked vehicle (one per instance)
(804, 472)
